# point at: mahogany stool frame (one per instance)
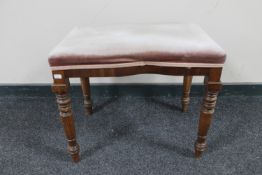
(61, 88)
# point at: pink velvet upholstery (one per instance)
(185, 45)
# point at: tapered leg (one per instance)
(212, 87)
(85, 84)
(186, 92)
(60, 88)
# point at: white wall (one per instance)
(29, 29)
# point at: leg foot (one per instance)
(199, 149)
(198, 154)
(74, 151)
(75, 158)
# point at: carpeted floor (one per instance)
(130, 135)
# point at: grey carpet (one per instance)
(130, 135)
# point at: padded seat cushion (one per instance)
(171, 44)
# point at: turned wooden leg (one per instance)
(186, 92)
(61, 88)
(87, 96)
(212, 88)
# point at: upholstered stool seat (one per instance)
(121, 50)
(165, 44)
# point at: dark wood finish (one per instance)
(61, 88)
(212, 84)
(187, 82)
(85, 84)
(118, 72)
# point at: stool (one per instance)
(120, 50)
